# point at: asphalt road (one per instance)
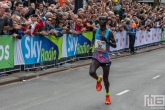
(131, 78)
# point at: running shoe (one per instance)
(107, 99)
(98, 84)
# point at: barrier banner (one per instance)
(69, 45)
(122, 41)
(39, 49)
(84, 42)
(158, 34)
(125, 39)
(56, 44)
(6, 52)
(153, 36)
(18, 56)
(31, 50)
(139, 39)
(163, 35)
(76, 44)
(142, 38)
(117, 38)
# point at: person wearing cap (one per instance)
(36, 23)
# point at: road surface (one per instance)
(130, 78)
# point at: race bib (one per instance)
(100, 45)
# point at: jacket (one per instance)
(132, 32)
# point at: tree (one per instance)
(156, 3)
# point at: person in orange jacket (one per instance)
(61, 2)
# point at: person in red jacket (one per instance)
(78, 26)
(36, 23)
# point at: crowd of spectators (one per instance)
(52, 18)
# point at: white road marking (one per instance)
(156, 77)
(121, 93)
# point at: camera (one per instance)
(69, 22)
(7, 10)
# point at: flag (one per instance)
(103, 6)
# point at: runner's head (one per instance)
(103, 20)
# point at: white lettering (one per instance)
(1, 48)
(27, 47)
(7, 52)
(33, 48)
(75, 40)
(39, 50)
(33, 52)
(70, 41)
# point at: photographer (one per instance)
(148, 25)
(6, 23)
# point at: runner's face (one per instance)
(102, 21)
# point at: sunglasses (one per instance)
(50, 20)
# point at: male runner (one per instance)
(103, 39)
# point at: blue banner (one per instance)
(71, 44)
(38, 49)
(83, 44)
(76, 44)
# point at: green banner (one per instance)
(57, 41)
(163, 35)
(89, 36)
(6, 52)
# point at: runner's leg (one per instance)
(105, 77)
(106, 84)
(92, 71)
(93, 67)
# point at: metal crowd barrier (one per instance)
(66, 60)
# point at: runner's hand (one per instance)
(90, 49)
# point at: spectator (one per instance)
(17, 31)
(36, 23)
(40, 11)
(31, 10)
(48, 28)
(78, 26)
(64, 20)
(6, 22)
(132, 35)
(18, 8)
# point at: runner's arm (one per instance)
(92, 43)
(112, 41)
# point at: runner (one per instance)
(103, 38)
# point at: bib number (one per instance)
(100, 45)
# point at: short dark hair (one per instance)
(40, 3)
(18, 3)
